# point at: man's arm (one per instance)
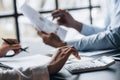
(60, 58)
(40, 72)
(67, 20)
(109, 39)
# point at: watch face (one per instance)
(10, 53)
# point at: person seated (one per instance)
(5, 47)
(40, 72)
(95, 38)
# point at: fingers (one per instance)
(75, 53)
(16, 51)
(70, 50)
(15, 46)
(59, 13)
(60, 58)
(42, 33)
(61, 21)
(61, 52)
(11, 44)
(56, 11)
(13, 40)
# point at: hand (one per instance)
(64, 19)
(51, 39)
(60, 58)
(67, 20)
(4, 48)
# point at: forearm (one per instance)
(77, 25)
(86, 29)
(100, 41)
(56, 65)
(60, 58)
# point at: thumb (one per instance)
(76, 55)
(42, 33)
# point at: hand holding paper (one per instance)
(41, 23)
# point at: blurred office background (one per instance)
(14, 25)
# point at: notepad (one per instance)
(42, 23)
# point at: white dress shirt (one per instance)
(26, 68)
(35, 73)
(99, 39)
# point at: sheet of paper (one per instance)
(41, 23)
(35, 60)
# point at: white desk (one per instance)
(112, 73)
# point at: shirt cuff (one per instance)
(86, 30)
(89, 29)
(74, 43)
(41, 73)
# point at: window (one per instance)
(14, 25)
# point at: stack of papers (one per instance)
(41, 23)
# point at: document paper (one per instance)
(41, 23)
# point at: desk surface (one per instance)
(112, 73)
(109, 74)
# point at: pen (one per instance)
(12, 42)
(5, 66)
(56, 15)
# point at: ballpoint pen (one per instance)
(5, 66)
(10, 42)
(56, 15)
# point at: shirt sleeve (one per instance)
(104, 40)
(89, 30)
(40, 73)
(108, 39)
(32, 73)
